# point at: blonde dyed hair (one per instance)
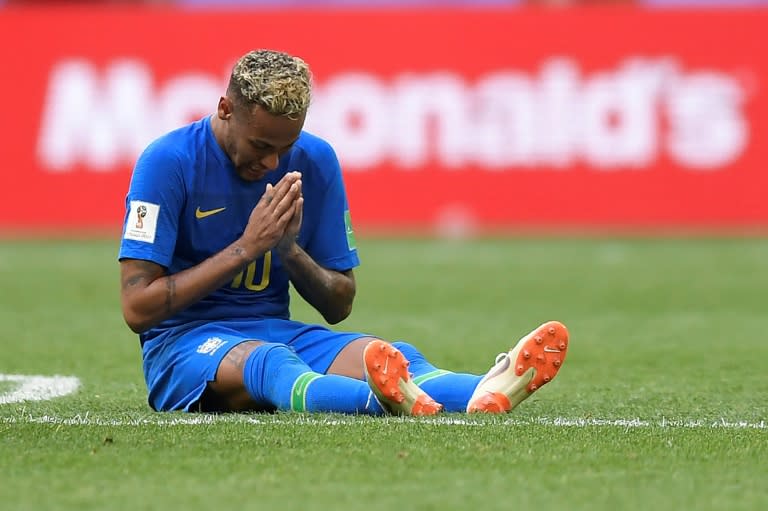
(278, 82)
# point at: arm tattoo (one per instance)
(238, 251)
(143, 273)
(133, 280)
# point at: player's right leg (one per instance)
(257, 376)
(449, 388)
(361, 356)
(255, 373)
(386, 371)
(517, 374)
(215, 368)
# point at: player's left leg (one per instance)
(531, 363)
(517, 374)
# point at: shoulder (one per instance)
(315, 149)
(168, 162)
(177, 145)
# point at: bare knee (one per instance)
(229, 385)
(349, 361)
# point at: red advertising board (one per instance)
(450, 119)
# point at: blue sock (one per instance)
(275, 375)
(453, 390)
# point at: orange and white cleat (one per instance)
(387, 372)
(517, 374)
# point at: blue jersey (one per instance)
(186, 203)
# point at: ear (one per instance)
(225, 108)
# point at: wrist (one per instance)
(287, 248)
(244, 251)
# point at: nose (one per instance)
(271, 160)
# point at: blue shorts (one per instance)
(179, 364)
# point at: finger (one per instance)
(268, 196)
(299, 206)
(275, 193)
(283, 186)
(286, 217)
(288, 178)
(286, 202)
(296, 219)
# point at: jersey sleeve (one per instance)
(332, 243)
(153, 205)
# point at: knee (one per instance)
(409, 351)
(230, 385)
(349, 361)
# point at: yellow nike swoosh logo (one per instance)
(202, 214)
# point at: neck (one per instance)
(217, 127)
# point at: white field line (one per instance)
(193, 420)
(37, 388)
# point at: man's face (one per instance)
(254, 139)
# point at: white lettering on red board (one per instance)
(618, 119)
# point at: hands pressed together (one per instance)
(276, 219)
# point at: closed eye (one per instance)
(260, 145)
(263, 146)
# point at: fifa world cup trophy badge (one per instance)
(141, 212)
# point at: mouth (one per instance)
(253, 173)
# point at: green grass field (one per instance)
(662, 403)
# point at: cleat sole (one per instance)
(533, 362)
(386, 370)
(550, 354)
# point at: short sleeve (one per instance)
(153, 204)
(331, 242)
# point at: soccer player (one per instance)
(224, 213)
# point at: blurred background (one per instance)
(450, 118)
